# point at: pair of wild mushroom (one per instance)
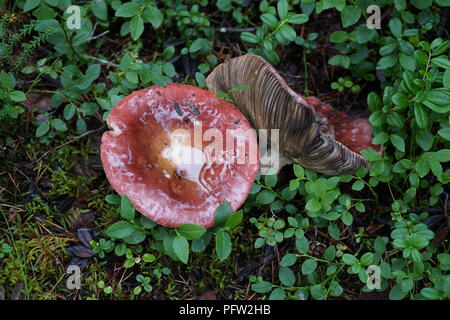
(155, 156)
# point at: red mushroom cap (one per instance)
(156, 156)
(354, 133)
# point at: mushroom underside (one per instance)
(269, 103)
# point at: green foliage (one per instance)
(276, 29)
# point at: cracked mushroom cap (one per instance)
(269, 103)
(159, 154)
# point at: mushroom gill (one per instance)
(269, 103)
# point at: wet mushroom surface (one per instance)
(178, 152)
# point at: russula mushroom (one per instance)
(178, 152)
(353, 132)
(269, 103)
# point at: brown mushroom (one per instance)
(269, 103)
(154, 155)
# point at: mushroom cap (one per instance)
(155, 156)
(353, 132)
(269, 103)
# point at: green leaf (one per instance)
(424, 139)
(59, 125)
(380, 138)
(136, 237)
(17, 96)
(397, 293)
(191, 231)
(168, 52)
(262, 287)
(126, 208)
(198, 44)
(302, 245)
(69, 111)
(363, 35)
(277, 294)
(288, 260)
(339, 60)
(265, 197)
(367, 259)
(430, 294)
(330, 253)
(313, 205)
(200, 244)
(446, 79)
(181, 248)
(309, 266)
(30, 5)
(270, 20)
(339, 36)
(334, 231)
(282, 8)
(299, 171)
(373, 101)
(349, 259)
(222, 213)
(288, 32)
(398, 142)
(350, 15)
(154, 16)
(318, 292)
(249, 37)
(395, 25)
(387, 62)
(400, 5)
(441, 61)
(132, 76)
(42, 129)
(422, 167)
(287, 276)
(120, 230)
(128, 9)
(421, 116)
(136, 27)
(421, 4)
(100, 10)
(358, 185)
(445, 133)
(147, 223)
(112, 199)
(270, 180)
(81, 126)
(223, 245)
(370, 155)
(443, 155)
(298, 18)
(407, 62)
(234, 219)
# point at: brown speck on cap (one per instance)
(178, 109)
(193, 109)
